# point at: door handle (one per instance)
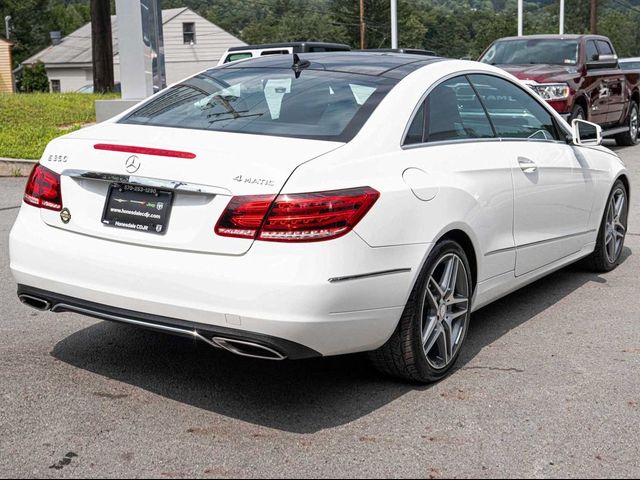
(527, 166)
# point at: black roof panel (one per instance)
(393, 65)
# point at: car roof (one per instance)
(556, 37)
(290, 44)
(630, 59)
(384, 64)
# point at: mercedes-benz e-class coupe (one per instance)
(291, 207)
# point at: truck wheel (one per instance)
(630, 138)
(577, 113)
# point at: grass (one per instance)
(28, 122)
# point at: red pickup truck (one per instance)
(578, 75)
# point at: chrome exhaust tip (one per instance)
(35, 302)
(248, 349)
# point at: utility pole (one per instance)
(363, 27)
(7, 25)
(102, 46)
(561, 17)
(520, 18)
(594, 17)
(394, 23)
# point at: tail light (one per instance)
(305, 217)
(43, 189)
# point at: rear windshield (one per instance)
(528, 51)
(319, 104)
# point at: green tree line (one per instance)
(455, 28)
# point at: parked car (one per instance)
(356, 202)
(578, 75)
(89, 88)
(235, 54)
(628, 64)
(412, 51)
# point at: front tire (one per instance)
(434, 324)
(613, 230)
(630, 138)
(577, 113)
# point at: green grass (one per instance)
(29, 121)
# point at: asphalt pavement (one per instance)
(548, 386)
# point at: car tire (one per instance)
(630, 138)
(578, 113)
(612, 232)
(438, 311)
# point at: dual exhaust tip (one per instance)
(237, 347)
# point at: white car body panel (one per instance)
(521, 226)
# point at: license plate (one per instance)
(134, 207)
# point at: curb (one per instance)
(16, 167)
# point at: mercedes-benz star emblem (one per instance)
(133, 164)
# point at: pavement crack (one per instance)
(495, 369)
(9, 208)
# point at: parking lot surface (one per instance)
(548, 385)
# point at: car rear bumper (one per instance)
(276, 294)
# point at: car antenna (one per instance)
(299, 65)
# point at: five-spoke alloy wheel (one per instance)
(433, 327)
(613, 230)
(444, 311)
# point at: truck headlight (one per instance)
(552, 91)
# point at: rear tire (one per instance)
(434, 324)
(630, 138)
(612, 233)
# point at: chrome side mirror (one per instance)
(586, 134)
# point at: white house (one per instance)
(191, 44)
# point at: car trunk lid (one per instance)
(203, 169)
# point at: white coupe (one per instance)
(290, 207)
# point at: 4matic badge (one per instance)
(255, 181)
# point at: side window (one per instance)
(234, 57)
(592, 51)
(455, 113)
(415, 134)
(514, 112)
(604, 48)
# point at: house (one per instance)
(191, 44)
(6, 69)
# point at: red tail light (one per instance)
(43, 189)
(305, 217)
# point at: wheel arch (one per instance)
(627, 184)
(582, 101)
(464, 240)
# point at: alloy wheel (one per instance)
(634, 124)
(615, 225)
(445, 310)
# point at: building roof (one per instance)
(6, 42)
(76, 48)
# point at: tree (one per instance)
(34, 79)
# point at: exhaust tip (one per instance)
(248, 349)
(35, 302)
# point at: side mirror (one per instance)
(586, 134)
(604, 61)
